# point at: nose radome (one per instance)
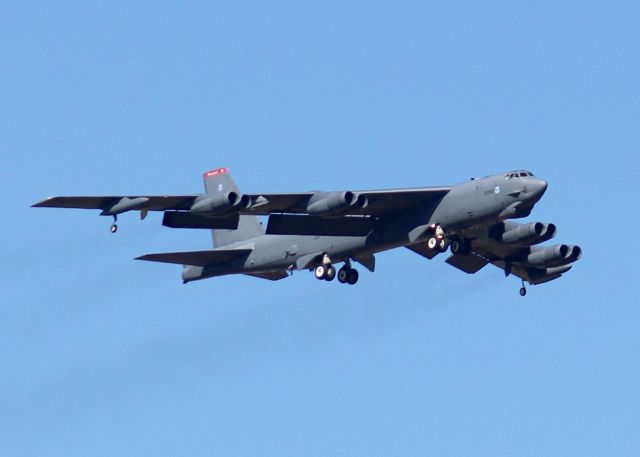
(539, 186)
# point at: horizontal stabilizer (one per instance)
(289, 224)
(197, 258)
(179, 219)
(468, 263)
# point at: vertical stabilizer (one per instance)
(220, 181)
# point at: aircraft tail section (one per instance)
(220, 181)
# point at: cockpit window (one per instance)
(518, 174)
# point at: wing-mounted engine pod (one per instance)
(547, 274)
(575, 253)
(334, 203)
(523, 233)
(526, 234)
(220, 204)
(362, 201)
(551, 256)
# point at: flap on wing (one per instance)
(422, 249)
(181, 219)
(289, 224)
(197, 258)
(468, 263)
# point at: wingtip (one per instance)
(42, 203)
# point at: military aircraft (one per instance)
(320, 229)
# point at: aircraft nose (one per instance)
(538, 187)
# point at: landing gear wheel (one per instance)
(432, 243)
(460, 247)
(353, 276)
(442, 245)
(456, 247)
(523, 290)
(114, 226)
(330, 273)
(343, 275)
(320, 272)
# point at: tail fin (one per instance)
(219, 181)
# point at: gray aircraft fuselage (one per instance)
(478, 202)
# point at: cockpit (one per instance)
(518, 174)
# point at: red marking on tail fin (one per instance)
(215, 172)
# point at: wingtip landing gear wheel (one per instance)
(113, 228)
(330, 273)
(320, 272)
(523, 290)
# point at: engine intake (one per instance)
(220, 204)
(335, 203)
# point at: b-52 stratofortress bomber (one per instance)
(318, 230)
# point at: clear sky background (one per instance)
(102, 355)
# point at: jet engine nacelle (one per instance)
(335, 203)
(527, 234)
(547, 274)
(220, 204)
(554, 256)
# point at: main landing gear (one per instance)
(348, 275)
(327, 272)
(437, 240)
(460, 247)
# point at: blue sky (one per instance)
(102, 355)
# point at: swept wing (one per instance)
(107, 203)
(534, 264)
(378, 202)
